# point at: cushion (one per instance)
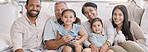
(9, 13)
(5, 42)
(135, 13)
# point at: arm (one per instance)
(83, 37)
(16, 37)
(50, 36)
(86, 42)
(110, 32)
(58, 36)
(138, 33)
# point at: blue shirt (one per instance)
(73, 32)
(97, 40)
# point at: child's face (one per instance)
(68, 18)
(97, 27)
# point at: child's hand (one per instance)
(75, 43)
(66, 39)
(78, 37)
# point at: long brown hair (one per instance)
(126, 25)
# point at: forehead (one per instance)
(60, 5)
(118, 10)
(68, 13)
(88, 8)
(34, 2)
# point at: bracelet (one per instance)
(107, 43)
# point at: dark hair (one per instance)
(94, 20)
(88, 4)
(126, 26)
(76, 21)
(28, 1)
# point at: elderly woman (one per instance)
(89, 9)
(134, 36)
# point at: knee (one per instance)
(86, 50)
(118, 49)
(67, 49)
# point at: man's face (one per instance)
(59, 9)
(33, 8)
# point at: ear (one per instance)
(26, 6)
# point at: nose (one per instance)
(60, 11)
(89, 13)
(34, 8)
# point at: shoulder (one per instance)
(20, 20)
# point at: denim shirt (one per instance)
(97, 40)
(73, 32)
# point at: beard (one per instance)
(33, 15)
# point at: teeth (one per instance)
(34, 12)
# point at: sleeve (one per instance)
(49, 31)
(109, 31)
(86, 42)
(138, 33)
(16, 35)
(93, 40)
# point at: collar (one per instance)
(28, 19)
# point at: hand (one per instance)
(78, 37)
(75, 43)
(19, 50)
(120, 44)
(94, 48)
(103, 48)
(66, 39)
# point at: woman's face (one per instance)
(118, 17)
(90, 12)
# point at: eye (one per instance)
(98, 25)
(120, 14)
(37, 5)
(71, 16)
(85, 12)
(65, 17)
(114, 14)
(94, 25)
(31, 5)
(90, 10)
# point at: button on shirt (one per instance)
(25, 35)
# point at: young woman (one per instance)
(131, 30)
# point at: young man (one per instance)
(26, 32)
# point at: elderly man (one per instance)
(26, 32)
(50, 31)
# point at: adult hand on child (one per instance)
(103, 48)
(94, 48)
(78, 37)
(75, 43)
(66, 39)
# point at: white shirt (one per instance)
(25, 35)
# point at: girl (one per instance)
(72, 30)
(97, 38)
